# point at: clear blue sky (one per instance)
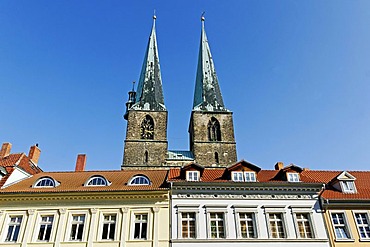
(296, 74)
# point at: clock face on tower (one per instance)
(147, 128)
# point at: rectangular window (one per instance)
(362, 221)
(77, 228)
(217, 225)
(348, 186)
(141, 225)
(46, 225)
(340, 226)
(13, 228)
(188, 225)
(109, 227)
(293, 177)
(250, 176)
(192, 176)
(237, 176)
(247, 225)
(304, 225)
(276, 225)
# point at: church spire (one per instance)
(207, 95)
(149, 94)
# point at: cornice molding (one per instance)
(75, 197)
(255, 196)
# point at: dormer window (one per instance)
(348, 186)
(45, 182)
(139, 180)
(293, 177)
(97, 181)
(345, 182)
(239, 176)
(192, 175)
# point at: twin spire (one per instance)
(149, 95)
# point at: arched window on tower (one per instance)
(217, 160)
(146, 157)
(147, 128)
(214, 131)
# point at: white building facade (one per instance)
(216, 212)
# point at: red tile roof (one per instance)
(74, 181)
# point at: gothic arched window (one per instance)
(214, 131)
(147, 128)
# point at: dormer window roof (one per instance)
(345, 182)
(97, 181)
(139, 180)
(242, 171)
(45, 182)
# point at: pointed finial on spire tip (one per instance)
(202, 17)
(133, 86)
(154, 16)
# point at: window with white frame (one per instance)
(250, 176)
(362, 221)
(340, 226)
(276, 225)
(217, 225)
(304, 228)
(109, 226)
(240, 176)
(77, 227)
(192, 175)
(97, 181)
(46, 225)
(45, 182)
(247, 225)
(14, 227)
(293, 177)
(348, 186)
(188, 224)
(140, 226)
(139, 180)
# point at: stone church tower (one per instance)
(146, 114)
(211, 127)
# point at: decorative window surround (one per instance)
(363, 225)
(276, 221)
(7, 223)
(186, 209)
(38, 222)
(141, 222)
(13, 228)
(340, 226)
(216, 221)
(305, 210)
(80, 224)
(102, 221)
(253, 222)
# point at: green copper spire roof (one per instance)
(149, 94)
(207, 95)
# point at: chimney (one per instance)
(279, 165)
(5, 149)
(34, 153)
(80, 163)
